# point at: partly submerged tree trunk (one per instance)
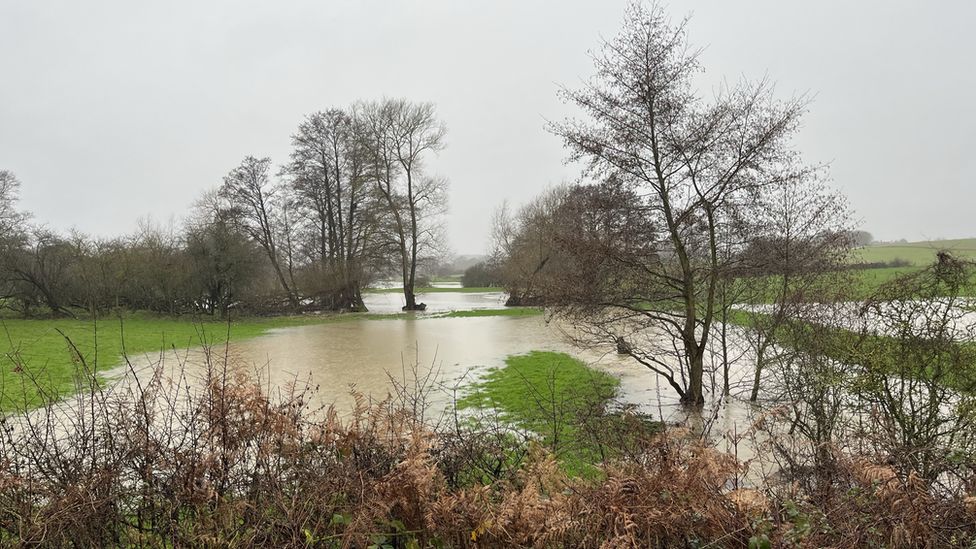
(695, 396)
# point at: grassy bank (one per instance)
(48, 353)
(916, 253)
(421, 291)
(555, 396)
(508, 311)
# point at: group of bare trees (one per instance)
(354, 202)
(159, 268)
(205, 266)
(355, 199)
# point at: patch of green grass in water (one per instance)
(509, 311)
(419, 291)
(548, 393)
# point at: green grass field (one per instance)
(870, 280)
(50, 353)
(916, 253)
(547, 393)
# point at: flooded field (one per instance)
(363, 355)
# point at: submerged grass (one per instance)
(421, 291)
(510, 311)
(553, 395)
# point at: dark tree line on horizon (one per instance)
(354, 202)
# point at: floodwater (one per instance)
(370, 356)
(436, 302)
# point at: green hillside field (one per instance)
(916, 253)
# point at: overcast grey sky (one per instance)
(111, 111)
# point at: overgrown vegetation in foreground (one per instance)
(221, 463)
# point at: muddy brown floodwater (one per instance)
(371, 355)
(337, 357)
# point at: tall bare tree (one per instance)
(40, 268)
(690, 159)
(800, 241)
(524, 244)
(223, 262)
(403, 136)
(250, 194)
(10, 216)
(329, 179)
(10, 219)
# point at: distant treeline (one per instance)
(353, 202)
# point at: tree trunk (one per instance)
(292, 298)
(695, 396)
(754, 396)
(725, 346)
(410, 277)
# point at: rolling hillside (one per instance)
(917, 253)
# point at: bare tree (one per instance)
(862, 238)
(10, 217)
(691, 160)
(523, 244)
(329, 179)
(249, 193)
(403, 135)
(800, 242)
(222, 261)
(40, 271)
(11, 233)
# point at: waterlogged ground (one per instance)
(370, 355)
(392, 302)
